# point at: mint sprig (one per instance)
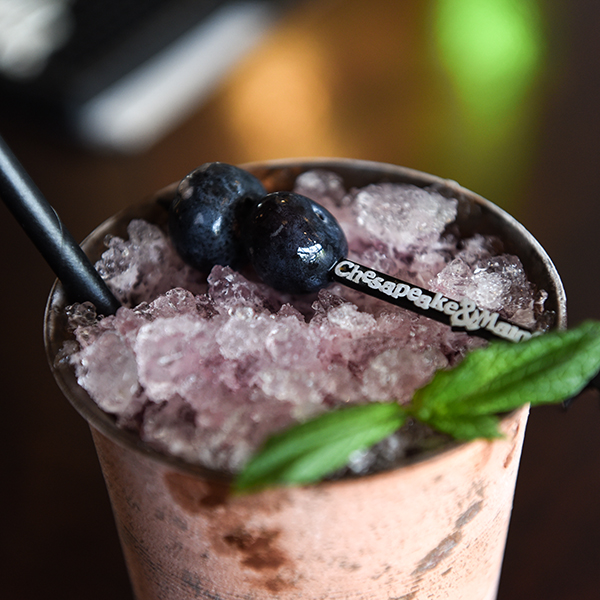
(463, 402)
(307, 452)
(543, 370)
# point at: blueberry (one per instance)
(206, 215)
(293, 242)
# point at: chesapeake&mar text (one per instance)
(463, 313)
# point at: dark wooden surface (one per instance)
(355, 79)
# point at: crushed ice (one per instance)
(207, 367)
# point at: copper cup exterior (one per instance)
(432, 528)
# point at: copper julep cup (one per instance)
(434, 527)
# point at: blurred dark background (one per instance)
(501, 95)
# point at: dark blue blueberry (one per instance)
(293, 242)
(206, 215)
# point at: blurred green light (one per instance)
(491, 49)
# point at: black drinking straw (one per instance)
(41, 223)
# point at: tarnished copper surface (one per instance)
(435, 529)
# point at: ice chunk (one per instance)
(108, 371)
(244, 334)
(231, 291)
(145, 265)
(348, 317)
(81, 315)
(173, 303)
(403, 215)
(496, 283)
(172, 355)
(319, 185)
(384, 380)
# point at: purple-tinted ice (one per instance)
(145, 265)
(206, 367)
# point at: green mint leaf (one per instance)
(546, 369)
(467, 427)
(308, 452)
